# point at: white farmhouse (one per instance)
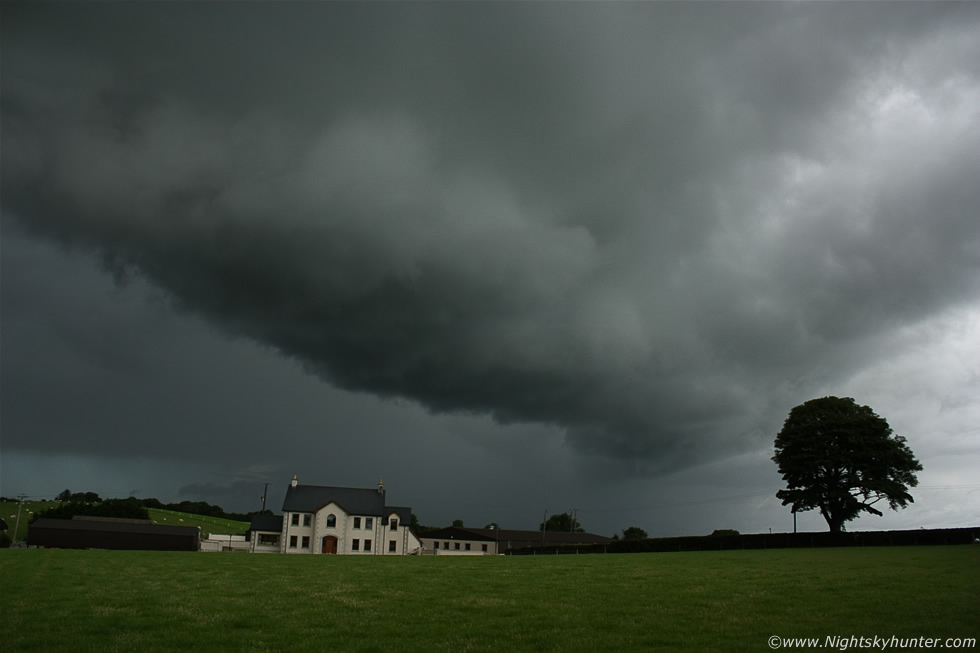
(318, 519)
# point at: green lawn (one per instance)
(55, 600)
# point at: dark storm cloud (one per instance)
(655, 226)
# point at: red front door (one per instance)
(329, 545)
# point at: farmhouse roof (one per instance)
(270, 523)
(404, 514)
(355, 501)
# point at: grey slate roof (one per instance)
(266, 523)
(356, 501)
(404, 515)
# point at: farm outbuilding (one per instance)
(487, 541)
(107, 533)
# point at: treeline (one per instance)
(91, 504)
(120, 508)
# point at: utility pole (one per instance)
(20, 503)
(544, 524)
(264, 496)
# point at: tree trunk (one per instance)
(835, 523)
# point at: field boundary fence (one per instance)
(920, 537)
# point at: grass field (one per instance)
(8, 510)
(206, 524)
(55, 600)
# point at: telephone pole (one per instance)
(20, 503)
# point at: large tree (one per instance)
(564, 523)
(634, 533)
(843, 459)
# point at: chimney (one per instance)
(293, 484)
(381, 487)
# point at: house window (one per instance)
(369, 522)
(394, 524)
(331, 521)
(357, 522)
(306, 541)
(391, 546)
(268, 539)
(446, 545)
(484, 548)
(457, 546)
(355, 545)
(292, 541)
(435, 545)
(367, 545)
(295, 519)
(467, 546)
(307, 520)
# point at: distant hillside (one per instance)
(206, 523)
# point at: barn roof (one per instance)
(105, 526)
(515, 539)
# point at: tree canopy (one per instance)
(634, 533)
(79, 497)
(563, 523)
(418, 528)
(842, 459)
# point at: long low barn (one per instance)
(106, 533)
(457, 540)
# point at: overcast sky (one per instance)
(509, 257)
